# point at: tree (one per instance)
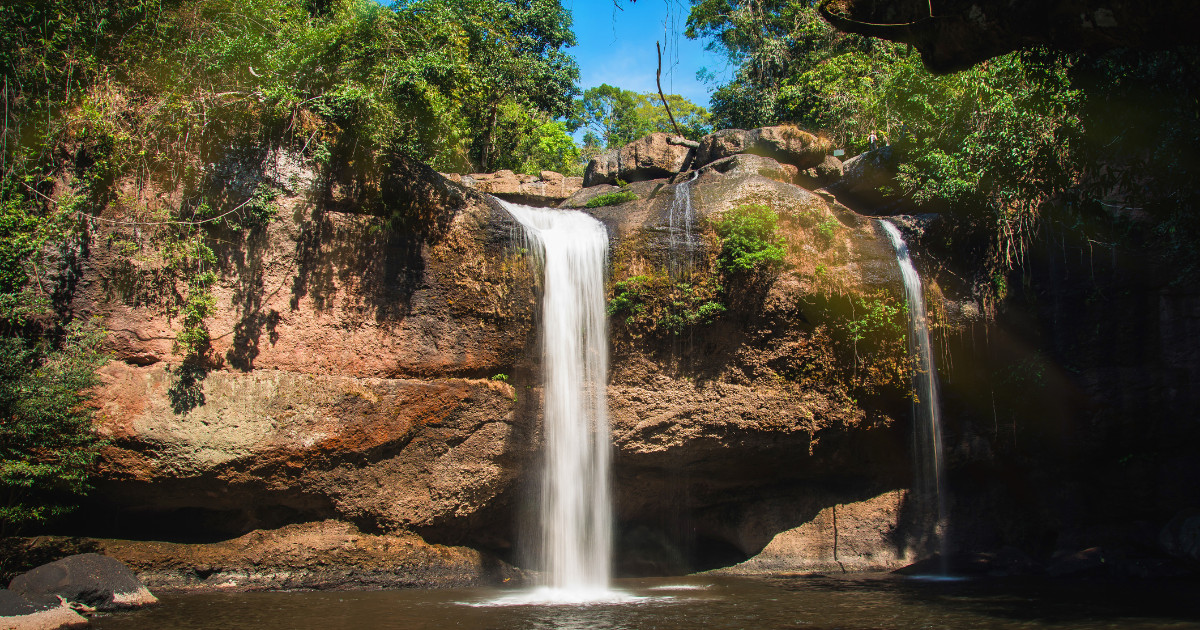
(693, 119)
(618, 116)
(610, 113)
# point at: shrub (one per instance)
(749, 244)
(658, 306)
(47, 445)
(611, 199)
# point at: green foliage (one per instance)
(749, 243)
(993, 144)
(500, 377)
(877, 316)
(827, 229)
(617, 116)
(47, 444)
(876, 335)
(655, 305)
(551, 148)
(611, 199)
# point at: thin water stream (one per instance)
(926, 405)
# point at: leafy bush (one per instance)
(749, 244)
(47, 445)
(611, 199)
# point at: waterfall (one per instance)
(681, 217)
(926, 410)
(576, 507)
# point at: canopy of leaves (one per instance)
(145, 107)
(992, 143)
(616, 116)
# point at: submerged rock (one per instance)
(88, 580)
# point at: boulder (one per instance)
(828, 171)
(869, 178)
(750, 164)
(787, 144)
(1087, 562)
(1181, 535)
(649, 157)
(18, 613)
(87, 579)
(722, 144)
(545, 189)
(319, 555)
(790, 145)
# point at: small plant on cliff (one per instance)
(611, 199)
(654, 305)
(749, 243)
(877, 334)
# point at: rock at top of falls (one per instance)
(576, 510)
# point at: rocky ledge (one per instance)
(545, 189)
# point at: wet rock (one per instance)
(1005, 562)
(1087, 562)
(648, 157)
(319, 555)
(18, 613)
(1180, 537)
(89, 580)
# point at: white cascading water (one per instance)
(926, 408)
(576, 517)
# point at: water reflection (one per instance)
(703, 603)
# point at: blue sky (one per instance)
(617, 47)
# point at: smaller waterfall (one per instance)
(576, 506)
(680, 219)
(926, 408)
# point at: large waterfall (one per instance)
(926, 408)
(576, 507)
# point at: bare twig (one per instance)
(658, 80)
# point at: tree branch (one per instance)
(658, 80)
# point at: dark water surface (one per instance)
(701, 603)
